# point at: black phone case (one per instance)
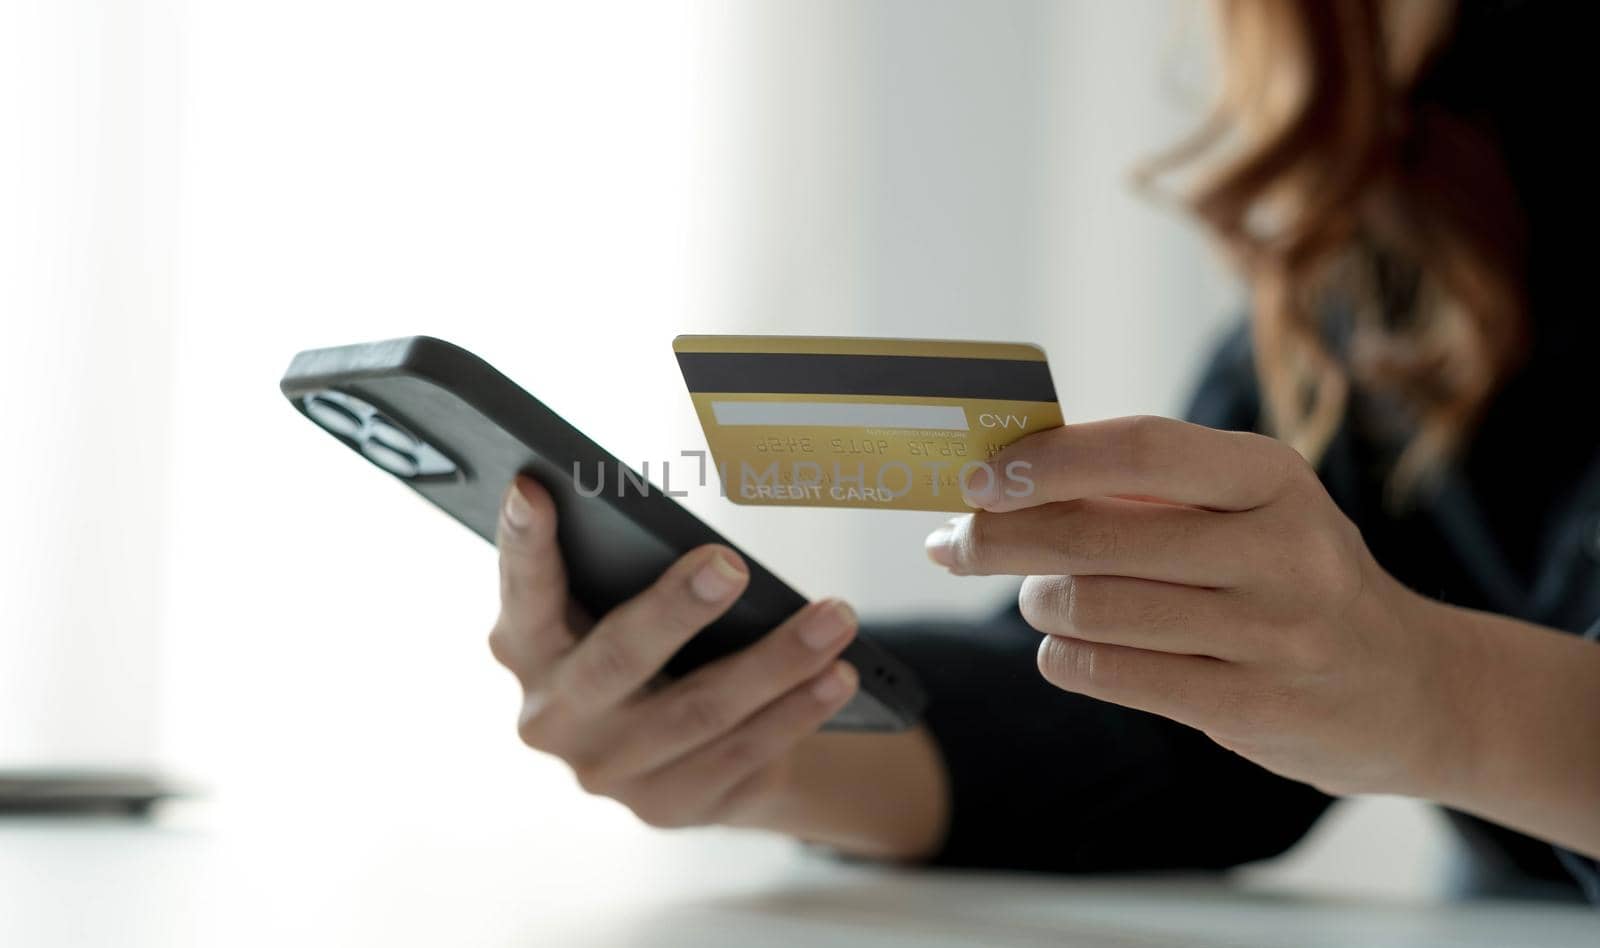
(615, 542)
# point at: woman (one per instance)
(1388, 597)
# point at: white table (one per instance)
(221, 880)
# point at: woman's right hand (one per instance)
(715, 746)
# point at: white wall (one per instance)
(88, 188)
(523, 178)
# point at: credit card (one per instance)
(896, 424)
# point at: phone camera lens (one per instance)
(391, 435)
(396, 462)
(334, 417)
(385, 442)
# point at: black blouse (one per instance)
(1049, 780)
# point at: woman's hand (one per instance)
(736, 741)
(712, 747)
(1207, 576)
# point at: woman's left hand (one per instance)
(1206, 576)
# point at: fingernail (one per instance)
(518, 512)
(940, 545)
(977, 488)
(717, 579)
(827, 625)
(835, 683)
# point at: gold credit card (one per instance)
(826, 421)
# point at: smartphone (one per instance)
(456, 431)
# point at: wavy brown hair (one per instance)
(1340, 176)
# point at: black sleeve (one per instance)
(1045, 779)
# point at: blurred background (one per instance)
(195, 582)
